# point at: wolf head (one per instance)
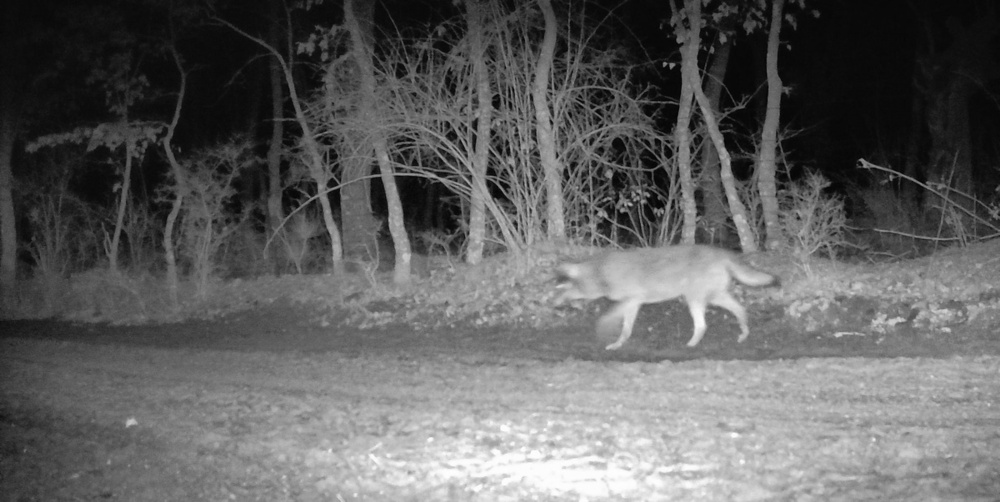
(577, 281)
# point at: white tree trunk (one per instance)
(690, 79)
(175, 206)
(713, 197)
(320, 176)
(122, 198)
(484, 118)
(370, 115)
(315, 163)
(766, 166)
(692, 84)
(552, 169)
(739, 212)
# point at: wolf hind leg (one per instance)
(625, 311)
(697, 309)
(725, 300)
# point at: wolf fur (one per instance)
(700, 274)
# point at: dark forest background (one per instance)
(193, 140)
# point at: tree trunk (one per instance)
(713, 196)
(682, 131)
(954, 75)
(430, 214)
(173, 282)
(314, 156)
(8, 230)
(12, 76)
(175, 206)
(767, 166)
(123, 197)
(371, 116)
(321, 177)
(360, 225)
(397, 228)
(484, 118)
(740, 221)
(275, 211)
(552, 169)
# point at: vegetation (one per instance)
(507, 134)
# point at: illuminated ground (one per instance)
(265, 405)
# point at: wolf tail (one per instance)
(750, 276)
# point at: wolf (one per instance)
(701, 274)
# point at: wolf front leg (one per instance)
(697, 309)
(627, 311)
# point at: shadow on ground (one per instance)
(661, 333)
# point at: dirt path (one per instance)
(84, 421)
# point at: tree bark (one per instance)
(9, 120)
(954, 75)
(123, 195)
(371, 117)
(275, 211)
(182, 188)
(690, 79)
(360, 224)
(739, 212)
(713, 197)
(484, 118)
(12, 85)
(766, 165)
(552, 169)
(314, 156)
